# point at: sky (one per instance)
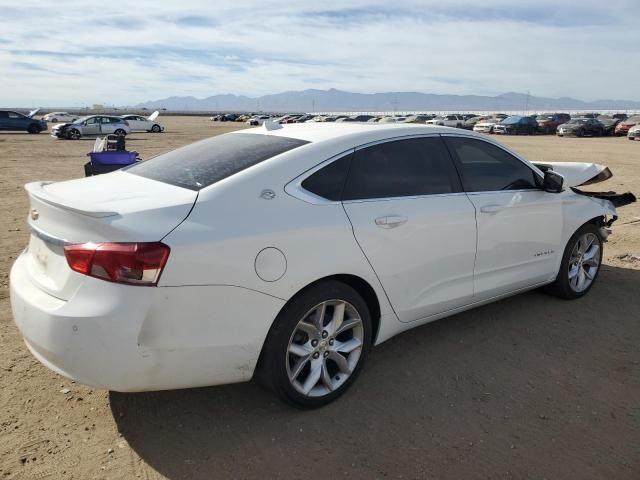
(79, 53)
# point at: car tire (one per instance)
(73, 134)
(580, 133)
(547, 130)
(120, 132)
(580, 264)
(33, 129)
(155, 128)
(303, 360)
(54, 120)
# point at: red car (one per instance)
(623, 127)
(548, 122)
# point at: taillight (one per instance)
(130, 263)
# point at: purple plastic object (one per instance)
(113, 157)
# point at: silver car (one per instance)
(93, 125)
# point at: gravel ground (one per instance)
(528, 387)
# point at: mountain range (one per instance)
(333, 100)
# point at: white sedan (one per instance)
(144, 124)
(289, 251)
(55, 117)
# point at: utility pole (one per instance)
(526, 104)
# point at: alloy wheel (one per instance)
(584, 262)
(324, 348)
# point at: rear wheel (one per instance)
(318, 345)
(580, 264)
(54, 120)
(120, 132)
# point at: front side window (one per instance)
(400, 168)
(486, 168)
(208, 161)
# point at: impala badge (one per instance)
(35, 214)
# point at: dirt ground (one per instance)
(528, 387)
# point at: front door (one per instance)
(413, 223)
(91, 126)
(519, 224)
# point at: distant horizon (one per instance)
(137, 104)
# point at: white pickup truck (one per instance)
(447, 121)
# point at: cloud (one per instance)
(587, 50)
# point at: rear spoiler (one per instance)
(36, 190)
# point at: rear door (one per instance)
(519, 224)
(414, 225)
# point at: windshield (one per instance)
(511, 120)
(208, 161)
(81, 119)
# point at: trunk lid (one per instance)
(116, 207)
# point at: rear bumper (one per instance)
(128, 338)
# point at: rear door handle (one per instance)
(391, 221)
(491, 208)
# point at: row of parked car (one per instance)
(70, 127)
(587, 124)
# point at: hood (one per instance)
(33, 112)
(570, 126)
(58, 126)
(485, 124)
(576, 174)
(153, 116)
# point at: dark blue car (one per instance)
(10, 120)
(516, 125)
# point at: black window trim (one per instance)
(536, 171)
(295, 188)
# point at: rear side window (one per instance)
(487, 168)
(206, 162)
(401, 168)
(328, 182)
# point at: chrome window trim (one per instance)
(295, 189)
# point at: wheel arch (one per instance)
(359, 284)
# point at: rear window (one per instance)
(206, 162)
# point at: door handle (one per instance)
(491, 208)
(391, 221)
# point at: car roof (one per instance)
(354, 132)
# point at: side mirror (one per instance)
(552, 182)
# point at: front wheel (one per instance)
(33, 129)
(317, 345)
(155, 129)
(73, 134)
(580, 264)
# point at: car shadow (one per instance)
(528, 386)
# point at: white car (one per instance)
(634, 133)
(138, 123)
(55, 117)
(288, 251)
(486, 126)
(258, 120)
(447, 121)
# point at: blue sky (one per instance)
(146, 50)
